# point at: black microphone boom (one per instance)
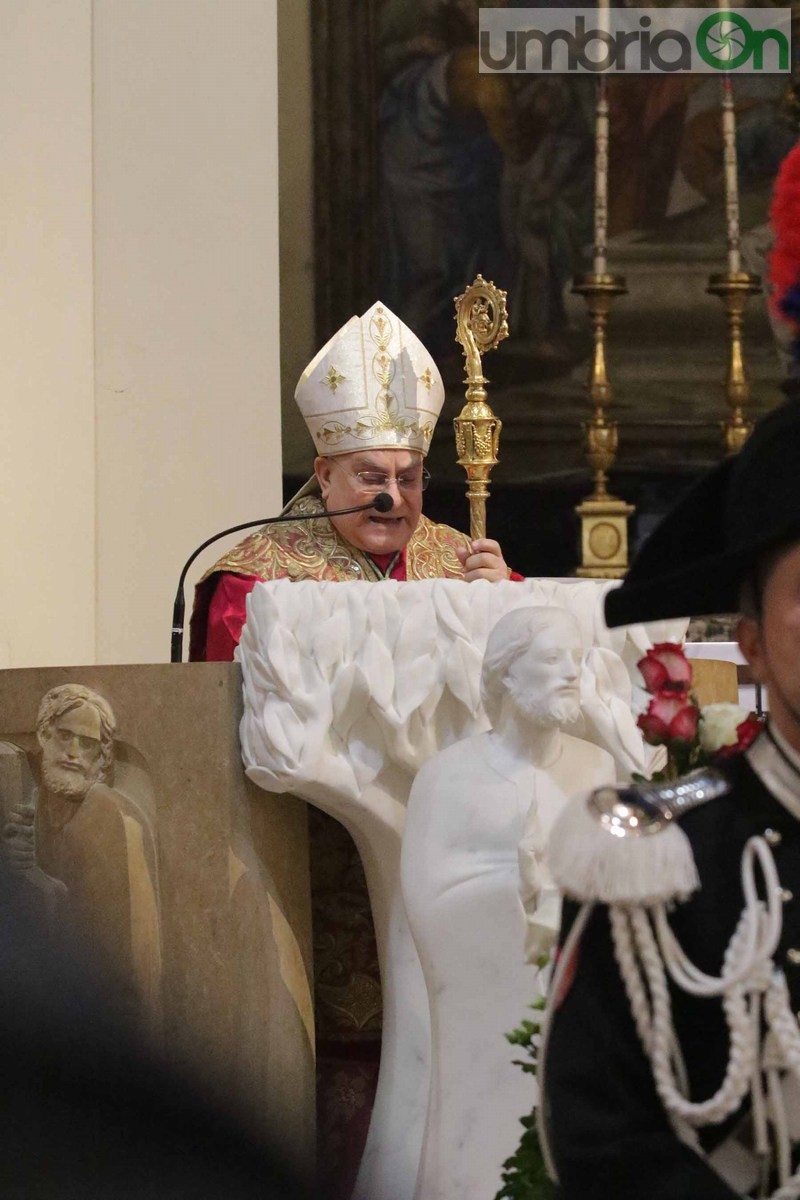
(382, 503)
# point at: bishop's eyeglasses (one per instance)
(372, 482)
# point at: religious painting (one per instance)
(476, 172)
(455, 172)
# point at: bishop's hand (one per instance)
(483, 559)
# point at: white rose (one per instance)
(718, 724)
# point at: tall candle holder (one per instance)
(482, 323)
(734, 289)
(604, 518)
(734, 286)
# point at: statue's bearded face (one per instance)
(72, 753)
(543, 683)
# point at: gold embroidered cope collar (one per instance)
(318, 551)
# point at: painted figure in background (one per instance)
(89, 847)
(443, 130)
(546, 212)
(493, 172)
(666, 151)
(468, 810)
(478, 172)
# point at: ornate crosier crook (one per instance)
(482, 323)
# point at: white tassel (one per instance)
(588, 863)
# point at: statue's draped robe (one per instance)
(347, 978)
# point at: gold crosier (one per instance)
(481, 324)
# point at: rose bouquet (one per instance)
(693, 736)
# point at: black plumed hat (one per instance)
(698, 557)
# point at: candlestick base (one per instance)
(604, 538)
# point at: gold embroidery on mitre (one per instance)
(383, 370)
(332, 433)
(386, 419)
(374, 383)
(333, 379)
(380, 329)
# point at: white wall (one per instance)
(187, 301)
(140, 145)
(47, 503)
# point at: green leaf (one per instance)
(524, 1176)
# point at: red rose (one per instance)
(748, 731)
(666, 667)
(671, 717)
(746, 734)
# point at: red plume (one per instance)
(784, 259)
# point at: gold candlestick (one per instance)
(734, 289)
(482, 323)
(733, 286)
(604, 518)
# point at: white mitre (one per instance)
(373, 386)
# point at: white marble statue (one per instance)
(460, 877)
(349, 688)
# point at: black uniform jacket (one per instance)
(610, 1136)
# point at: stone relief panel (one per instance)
(124, 804)
(78, 826)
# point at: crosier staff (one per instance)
(481, 324)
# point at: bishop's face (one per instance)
(347, 480)
(543, 683)
(72, 758)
